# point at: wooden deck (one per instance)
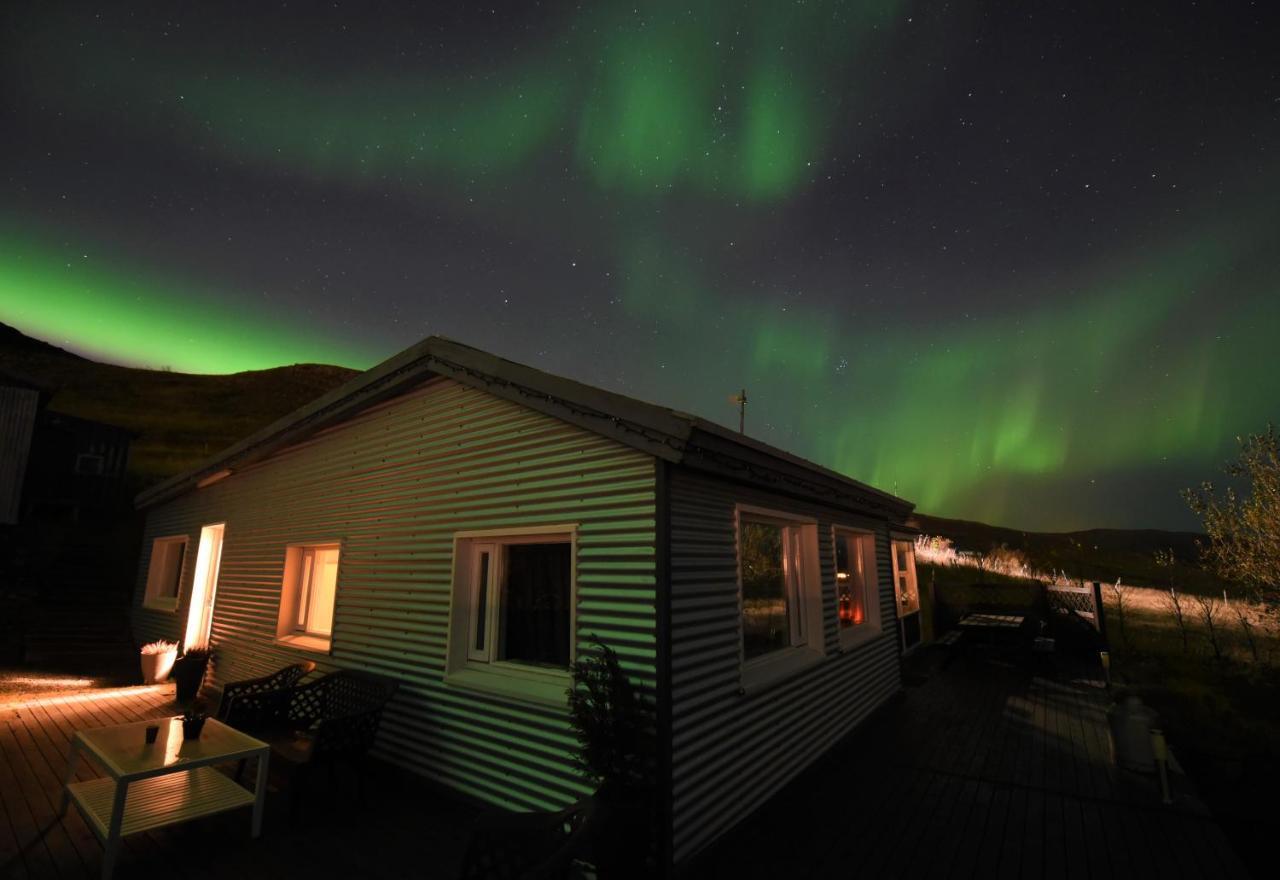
(991, 771)
(984, 771)
(405, 832)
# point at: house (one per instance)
(467, 525)
(54, 465)
(20, 405)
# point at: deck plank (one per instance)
(26, 801)
(993, 771)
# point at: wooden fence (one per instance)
(1057, 604)
(1083, 600)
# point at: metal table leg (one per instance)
(260, 791)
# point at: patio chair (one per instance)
(254, 703)
(527, 846)
(330, 721)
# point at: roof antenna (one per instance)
(741, 400)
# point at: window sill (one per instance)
(766, 673)
(541, 687)
(855, 638)
(306, 643)
(156, 604)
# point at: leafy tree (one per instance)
(1244, 528)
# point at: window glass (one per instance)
(315, 580)
(765, 623)
(304, 587)
(164, 572)
(171, 574)
(323, 591)
(904, 575)
(851, 580)
(534, 607)
(482, 602)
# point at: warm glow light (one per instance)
(214, 478)
(104, 694)
(202, 585)
(53, 682)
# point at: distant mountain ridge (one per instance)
(179, 419)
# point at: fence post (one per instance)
(1098, 613)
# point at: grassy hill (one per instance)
(1095, 554)
(179, 418)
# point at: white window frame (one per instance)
(477, 668)
(804, 593)
(151, 597)
(871, 626)
(288, 631)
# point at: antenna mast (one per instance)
(741, 400)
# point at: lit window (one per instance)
(778, 576)
(904, 578)
(164, 573)
(308, 595)
(317, 586)
(513, 616)
(857, 600)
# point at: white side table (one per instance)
(163, 783)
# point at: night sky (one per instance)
(1014, 262)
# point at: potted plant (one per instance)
(615, 727)
(193, 719)
(189, 671)
(157, 660)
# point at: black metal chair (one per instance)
(255, 703)
(528, 846)
(333, 720)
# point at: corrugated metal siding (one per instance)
(18, 408)
(730, 751)
(395, 483)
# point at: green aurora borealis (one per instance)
(672, 205)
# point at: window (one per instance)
(317, 587)
(164, 573)
(512, 626)
(857, 598)
(89, 464)
(904, 578)
(779, 584)
(308, 595)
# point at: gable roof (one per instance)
(664, 433)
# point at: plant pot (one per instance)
(188, 673)
(156, 667)
(191, 727)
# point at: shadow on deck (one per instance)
(405, 830)
(986, 769)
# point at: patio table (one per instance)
(150, 785)
(994, 627)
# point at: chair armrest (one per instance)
(254, 710)
(234, 689)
